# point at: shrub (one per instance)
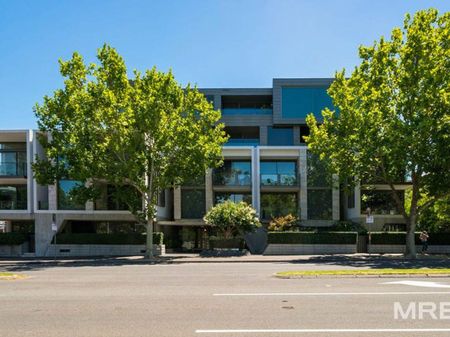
(236, 242)
(12, 238)
(107, 239)
(283, 223)
(345, 238)
(231, 219)
(399, 238)
(338, 226)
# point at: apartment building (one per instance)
(266, 164)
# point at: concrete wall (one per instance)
(101, 250)
(13, 251)
(308, 249)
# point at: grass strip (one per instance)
(358, 272)
(11, 276)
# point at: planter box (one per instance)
(13, 250)
(66, 250)
(309, 249)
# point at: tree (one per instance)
(393, 115)
(231, 219)
(146, 132)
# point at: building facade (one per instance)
(266, 164)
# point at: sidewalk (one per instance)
(178, 258)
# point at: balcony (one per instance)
(246, 111)
(231, 178)
(242, 142)
(13, 205)
(13, 169)
(279, 180)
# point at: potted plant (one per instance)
(231, 221)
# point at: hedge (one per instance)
(399, 238)
(12, 238)
(215, 242)
(335, 238)
(107, 239)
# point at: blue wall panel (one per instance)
(298, 102)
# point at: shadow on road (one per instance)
(340, 261)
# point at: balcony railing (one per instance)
(232, 179)
(246, 111)
(13, 169)
(279, 180)
(242, 142)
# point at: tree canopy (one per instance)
(146, 131)
(393, 115)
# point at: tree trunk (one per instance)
(410, 238)
(149, 245)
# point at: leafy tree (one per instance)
(231, 218)
(393, 115)
(147, 132)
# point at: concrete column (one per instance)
(217, 102)
(335, 198)
(296, 135)
(256, 200)
(177, 203)
(303, 171)
(90, 203)
(30, 193)
(52, 198)
(263, 135)
(208, 190)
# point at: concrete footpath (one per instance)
(350, 260)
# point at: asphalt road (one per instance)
(210, 299)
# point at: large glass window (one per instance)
(192, 203)
(278, 204)
(243, 135)
(278, 173)
(280, 136)
(13, 159)
(320, 204)
(13, 197)
(65, 198)
(233, 173)
(235, 197)
(380, 202)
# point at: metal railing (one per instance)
(280, 180)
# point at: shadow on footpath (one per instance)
(376, 262)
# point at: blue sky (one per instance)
(229, 43)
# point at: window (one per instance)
(278, 173)
(243, 135)
(233, 173)
(280, 136)
(380, 202)
(13, 197)
(235, 197)
(162, 198)
(298, 102)
(247, 101)
(13, 159)
(192, 203)
(304, 132)
(278, 204)
(65, 198)
(351, 199)
(320, 201)
(320, 205)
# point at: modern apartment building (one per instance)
(266, 164)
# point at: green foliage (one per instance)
(335, 238)
(12, 238)
(283, 223)
(231, 219)
(107, 239)
(436, 217)
(398, 238)
(338, 226)
(146, 131)
(393, 114)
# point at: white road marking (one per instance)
(425, 284)
(339, 294)
(316, 330)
